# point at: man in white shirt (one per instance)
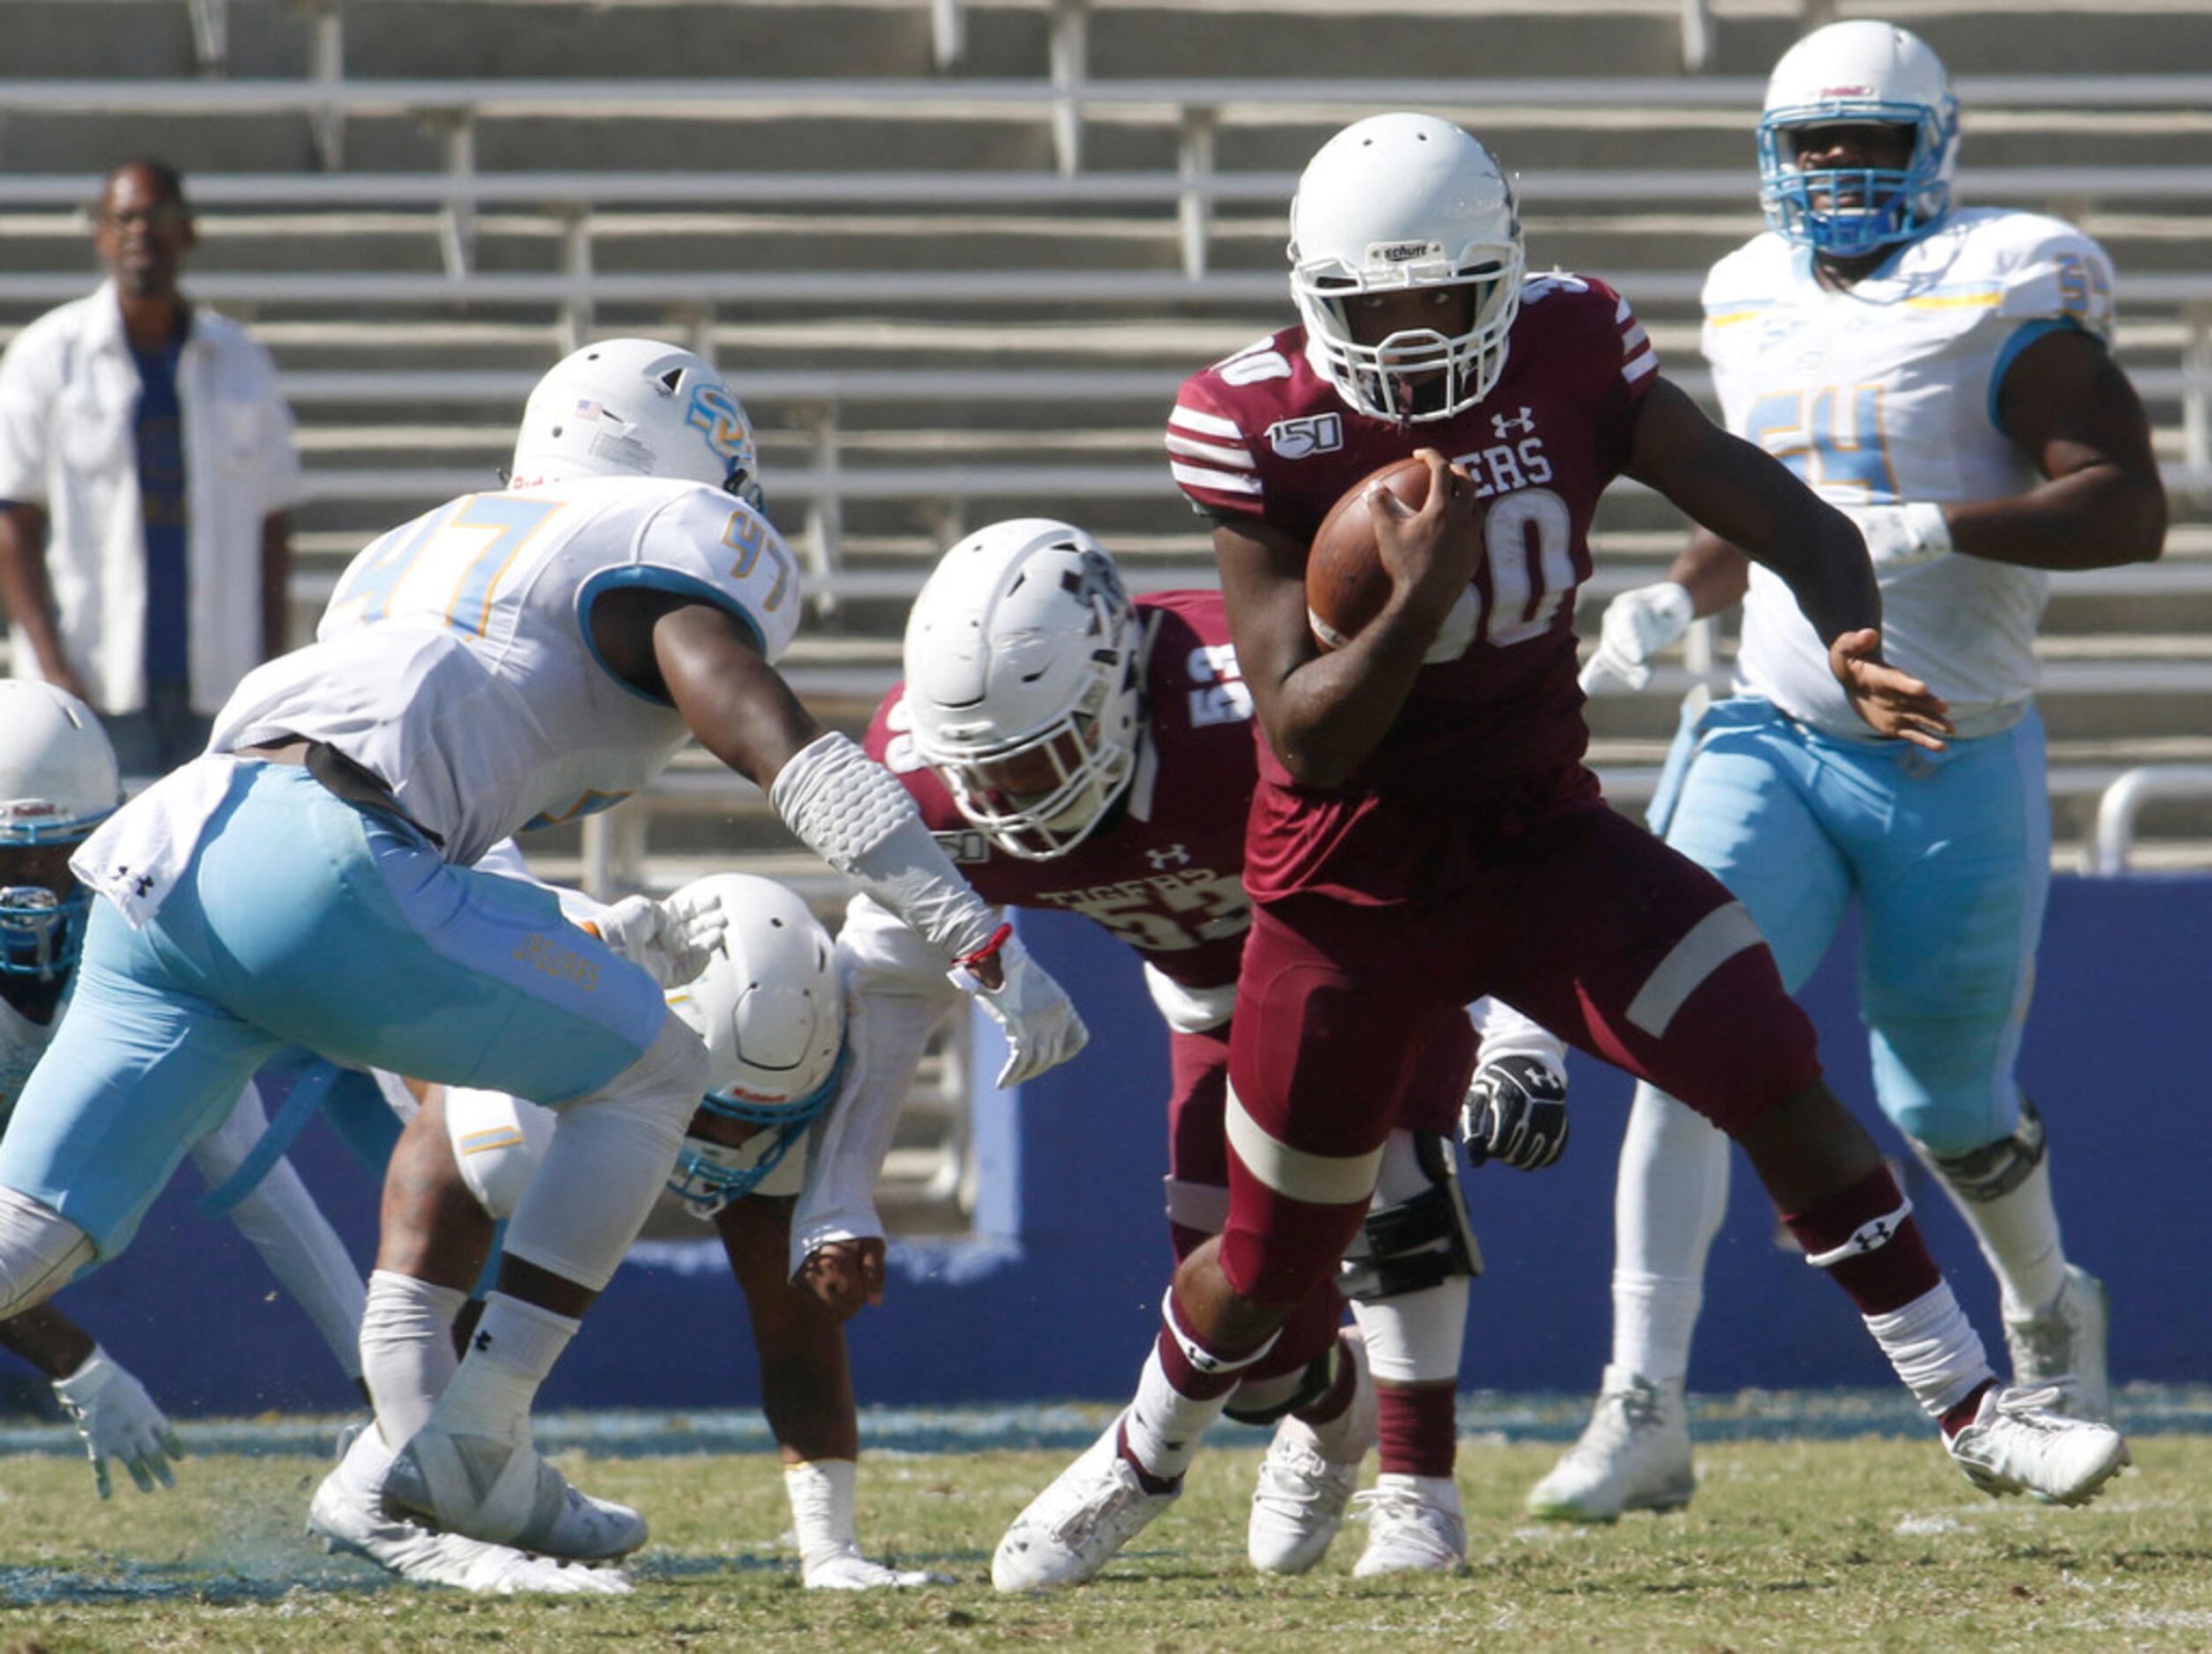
(146, 464)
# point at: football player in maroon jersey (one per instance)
(1077, 751)
(1423, 830)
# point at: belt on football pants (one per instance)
(339, 776)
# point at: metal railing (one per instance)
(2122, 804)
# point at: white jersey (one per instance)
(1887, 393)
(455, 660)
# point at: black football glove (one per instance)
(1515, 1112)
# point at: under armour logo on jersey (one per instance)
(1171, 856)
(1506, 425)
(1302, 439)
(483, 1341)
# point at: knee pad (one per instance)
(1419, 1240)
(1994, 1169)
(607, 1161)
(41, 1252)
(497, 1142)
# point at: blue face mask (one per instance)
(1880, 206)
(705, 1179)
(42, 933)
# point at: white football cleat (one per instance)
(849, 1570)
(1634, 1455)
(2017, 1444)
(2063, 1348)
(500, 1491)
(1073, 1529)
(344, 1515)
(1308, 1478)
(1413, 1526)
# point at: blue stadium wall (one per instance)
(1060, 1294)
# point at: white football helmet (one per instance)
(1023, 666)
(58, 780)
(770, 1007)
(1397, 202)
(636, 408)
(1849, 73)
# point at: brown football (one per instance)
(1346, 585)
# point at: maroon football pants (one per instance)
(1588, 924)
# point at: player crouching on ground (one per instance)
(769, 1008)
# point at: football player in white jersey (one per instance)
(771, 1008)
(1943, 375)
(506, 659)
(58, 780)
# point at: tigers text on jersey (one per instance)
(1493, 729)
(455, 660)
(1888, 392)
(1163, 875)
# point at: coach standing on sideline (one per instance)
(148, 436)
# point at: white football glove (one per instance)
(1043, 1029)
(118, 1419)
(1899, 537)
(1638, 624)
(673, 940)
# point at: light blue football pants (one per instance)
(1949, 857)
(301, 920)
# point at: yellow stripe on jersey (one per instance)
(1984, 299)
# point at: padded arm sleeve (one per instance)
(849, 810)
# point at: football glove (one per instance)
(118, 1419)
(1899, 537)
(1043, 1029)
(1638, 624)
(1516, 1113)
(673, 940)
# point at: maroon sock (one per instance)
(1887, 1264)
(1962, 1415)
(1419, 1426)
(1145, 1479)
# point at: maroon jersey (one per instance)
(1491, 737)
(1163, 875)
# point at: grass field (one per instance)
(1853, 1542)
